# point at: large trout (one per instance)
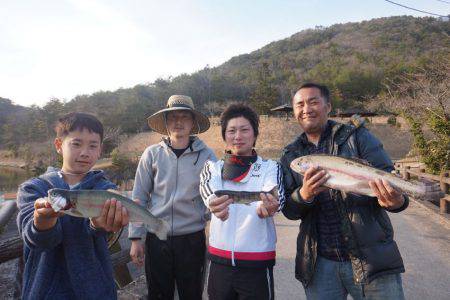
(348, 175)
(89, 204)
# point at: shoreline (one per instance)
(13, 165)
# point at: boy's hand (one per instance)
(44, 216)
(268, 205)
(219, 206)
(113, 217)
(137, 253)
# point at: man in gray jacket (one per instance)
(167, 183)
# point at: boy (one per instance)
(167, 183)
(67, 257)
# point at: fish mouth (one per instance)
(59, 200)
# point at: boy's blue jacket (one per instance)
(71, 260)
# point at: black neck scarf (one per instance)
(236, 167)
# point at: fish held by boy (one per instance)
(349, 175)
(89, 204)
(243, 197)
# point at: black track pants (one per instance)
(229, 283)
(180, 259)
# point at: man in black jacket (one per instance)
(345, 244)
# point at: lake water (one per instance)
(10, 178)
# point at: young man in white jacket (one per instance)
(167, 181)
(242, 237)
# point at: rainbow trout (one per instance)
(89, 204)
(350, 176)
(241, 197)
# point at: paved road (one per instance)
(423, 238)
(424, 241)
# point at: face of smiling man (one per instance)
(179, 124)
(311, 110)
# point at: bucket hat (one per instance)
(157, 121)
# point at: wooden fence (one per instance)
(409, 169)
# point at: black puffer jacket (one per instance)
(366, 227)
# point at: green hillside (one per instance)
(354, 59)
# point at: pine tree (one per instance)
(265, 96)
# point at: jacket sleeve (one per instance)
(212, 156)
(294, 207)
(274, 178)
(210, 181)
(371, 149)
(27, 194)
(143, 186)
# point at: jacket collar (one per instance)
(54, 176)
(339, 134)
(196, 144)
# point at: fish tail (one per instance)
(161, 231)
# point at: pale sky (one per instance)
(64, 48)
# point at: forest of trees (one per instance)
(355, 60)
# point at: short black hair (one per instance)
(237, 110)
(77, 121)
(324, 91)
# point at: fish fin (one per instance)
(74, 213)
(360, 160)
(114, 191)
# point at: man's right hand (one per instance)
(313, 180)
(137, 253)
(219, 206)
(44, 217)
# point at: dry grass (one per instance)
(275, 133)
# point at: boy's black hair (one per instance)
(77, 121)
(237, 110)
(324, 91)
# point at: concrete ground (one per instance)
(424, 242)
(423, 237)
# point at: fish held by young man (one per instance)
(89, 204)
(243, 197)
(351, 176)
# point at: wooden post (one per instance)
(121, 272)
(11, 248)
(444, 185)
(406, 174)
(443, 205)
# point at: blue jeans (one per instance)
(334, 280)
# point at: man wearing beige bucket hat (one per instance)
(167, 183)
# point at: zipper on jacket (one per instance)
(175, 192)
(234, 237)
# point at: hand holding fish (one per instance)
(313, 181)
(137, 253)
(219, 206)
(388, 197)
(44, 216)
(113, 216)
(268, 205)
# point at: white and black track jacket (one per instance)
(244, 239)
